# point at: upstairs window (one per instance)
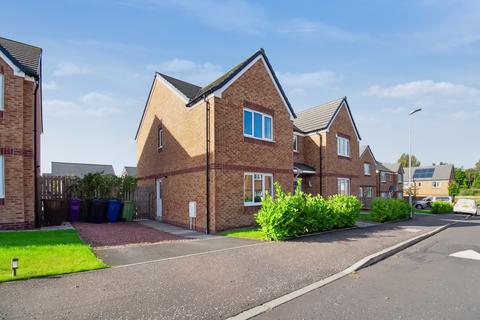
(257, 125)
(2, 90)
(366, 169)
(160, 138)
(343, 146)
(400, 178)
(295, 143)
(383, 176)
(436, 184)
(2, 177)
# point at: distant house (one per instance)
(430, 180)
(20, 129)
(65, 169)
(390, 180)
(368, 177)
(129, 171)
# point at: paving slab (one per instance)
(178, 231)
(211, 285)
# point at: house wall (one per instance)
(16, 144)
(236, 154)
(426, 188)
(335, 166)
(180, 164)
(367, 180)
(391, 183)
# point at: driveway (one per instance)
(205, 284)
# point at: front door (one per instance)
(159, 199)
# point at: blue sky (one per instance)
(385, 56)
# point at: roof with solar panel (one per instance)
(441, 172)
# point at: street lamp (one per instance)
(410, 160)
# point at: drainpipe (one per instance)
(35, 162)
(320, 169)
(207, 162)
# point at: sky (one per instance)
(387, 57)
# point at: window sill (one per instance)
(344, 157)
(160, 149)
(296, 151)
(249, 204)
(259, 141)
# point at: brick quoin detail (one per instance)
(16, 152)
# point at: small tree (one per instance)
(453, 189)
(403, 160)
(476, 182)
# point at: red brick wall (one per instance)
(16, 144)
(365, 180)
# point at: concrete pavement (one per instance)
(422, 282)
(212, 285)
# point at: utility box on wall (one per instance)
(192, 209)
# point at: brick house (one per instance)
(430, 180)
(211, 153)
(20, 129)
(390, 180)
(368, 177)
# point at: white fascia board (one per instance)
(219, 91)
(344, 105)
(199, 102)
(16, 70)
(171, 87)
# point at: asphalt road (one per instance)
(422, 282)
(205, 285)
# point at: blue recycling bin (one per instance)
(113, 211)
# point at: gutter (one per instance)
(207, 163)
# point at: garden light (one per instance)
(14, 266)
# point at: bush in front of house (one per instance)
(292, 215)
(442, 207)
(389, 209)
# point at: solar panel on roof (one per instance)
(423, 173)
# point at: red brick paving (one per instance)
(120, 233)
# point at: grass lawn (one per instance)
(365, 217)
(249, 233)
(423, 210)
(45, 253)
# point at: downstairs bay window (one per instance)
(255, 187)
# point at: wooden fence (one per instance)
(60, 188)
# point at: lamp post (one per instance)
(410, 159)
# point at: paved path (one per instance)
(211, 285)
(422, 282)
(178, 231)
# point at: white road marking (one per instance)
(467, 254)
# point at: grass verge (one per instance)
(45, 253)
(249, 233)
(365, 217)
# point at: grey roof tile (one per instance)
(79, 169)
(24, 56)
(381, 167)
(188, 89)
(395, 167)
(299, 167)
(317, 118)
(130, 171)
(440, 172)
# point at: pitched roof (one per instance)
(189, 90)
(381, 167)
(130, 171)
(26, 57)
(395, 167)
(364, 148)
(440, 172)
(321, 117)
(79, 169)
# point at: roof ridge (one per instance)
(95, 164)
(322, 105)
(26, 44)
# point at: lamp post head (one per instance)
(415, 111)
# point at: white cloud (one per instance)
(50, 85)
(70, 69)
(92, 104)
(196, 73)
(307, 80)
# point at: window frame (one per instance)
(264, 116)
(295, 143)
(161, 139)
(339, 180)
(368, 192)
(2, 176)
(369, 166)
(400, 178)
(253, 203)
(343, 147)
(383, 176)
(436, 184)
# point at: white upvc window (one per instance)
(257, 125)
(400, 178)
(360, 192)
(160, 138)
(343, 146)
(255, 187)
(368, 191)
(383, 177)
(295, 143)
(2, 91)
(419, 184)
(366, 169)
(436, 184)
(2, 177)
(343, 186)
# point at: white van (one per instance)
(426, 202)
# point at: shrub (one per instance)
(389, 209)
(292, 215)
(442, 207)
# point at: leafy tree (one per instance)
(453, 189)
(477, 165)
(460, 178)
(476, 182)
(470, 177)
(403, 160)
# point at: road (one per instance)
(422, 282)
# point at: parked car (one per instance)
(426, 202)
(466, 206)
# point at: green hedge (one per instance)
(469, 192)
(442, 207)
(389, 209)
(292, 215)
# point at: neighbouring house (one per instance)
(326, 149)
(129, 171)
(71, 169)
(20, 129)
(389, 180)
(430, 180)
(211, 153)
(368, 177)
